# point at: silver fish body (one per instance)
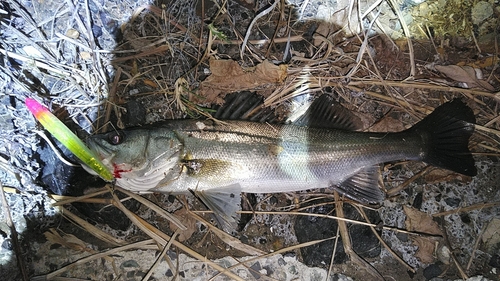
(181, 155)
(260, 157)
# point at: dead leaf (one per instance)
(402, 44)
(150, 83)
(228, 76)
(188, 221)
(487, 62)
(464, 74)
(426, 245)
(442, 175)
(388, 124)
(68, 240)
(482, 63)
(419, 221)
(135, 68)
(323, 30)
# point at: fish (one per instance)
(324, 148)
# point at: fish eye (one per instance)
(115, 138)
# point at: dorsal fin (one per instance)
(245, 106)
(325, 113)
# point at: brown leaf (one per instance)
(68, 240)
(465, 74)
(419, 221)
(482, 63)
(442, 175)
(323, 30)
(487, 62)
(387, 124)
(426, 245)
(188, 221)
(228, 76)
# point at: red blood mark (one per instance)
(117, 171)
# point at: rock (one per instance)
(432, 271)
(56, 175)
(364, 241)
(135, 115)
(487, 42)
(256, 270)
(495, 261)
(453, 202)
(481, 11)
(82, 182)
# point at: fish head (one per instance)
(137, 154)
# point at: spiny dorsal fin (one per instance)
(245, 106)
(325, 113)
(363, 186)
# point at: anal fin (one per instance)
(363, 186)
(224, 202)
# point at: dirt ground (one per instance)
(105, 65)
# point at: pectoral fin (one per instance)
(224, 202)
(363, 186)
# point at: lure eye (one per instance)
(115, 138)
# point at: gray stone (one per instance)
(481, 11)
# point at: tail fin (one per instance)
(446, 133)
